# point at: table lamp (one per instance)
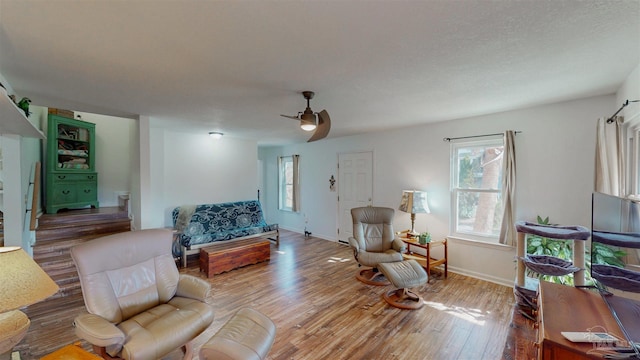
(414, 202)
(22, 283)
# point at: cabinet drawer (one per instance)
(87, 191)
(64, 193)
(59, 177)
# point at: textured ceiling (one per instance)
(235, 66)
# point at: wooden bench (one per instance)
(229, 255)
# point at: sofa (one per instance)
(197, 226)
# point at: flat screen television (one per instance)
(615, 242)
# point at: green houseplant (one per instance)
(602, 254)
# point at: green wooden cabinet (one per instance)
(72, 180)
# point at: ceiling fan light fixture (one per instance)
(308, 122)
(319, 122)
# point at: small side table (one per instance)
(71, 352)
(427, 261)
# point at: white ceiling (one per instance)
(235, 66)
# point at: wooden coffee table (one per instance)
(228, 255)
(426, 261)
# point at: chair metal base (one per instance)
(372, 277)
(403, 299)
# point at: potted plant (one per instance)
(424, 238)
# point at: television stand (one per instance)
(566, 308)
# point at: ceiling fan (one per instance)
(309, 120)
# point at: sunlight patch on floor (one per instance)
(334, 259)
(474, 316)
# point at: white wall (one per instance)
(555, 155)
(114, 146)
(187, 168)
(630, 90)
(19, 154)
(32, 150)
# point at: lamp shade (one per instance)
(22, 281)
(414, 202)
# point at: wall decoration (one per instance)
(332, 183)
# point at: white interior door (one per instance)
(355, 188)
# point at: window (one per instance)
(286, 183)
(476, 174)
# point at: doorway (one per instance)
(355, 188)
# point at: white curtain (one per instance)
(296, 184)
(508, 231)
(609, 169)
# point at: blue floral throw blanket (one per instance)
(203, 224)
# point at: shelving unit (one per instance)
(13, 121)
(72, 181)
(525, 288)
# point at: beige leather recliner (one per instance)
(374, 242)
(140, 306)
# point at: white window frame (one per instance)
(282, 183)
(456, 191)
(634, 159)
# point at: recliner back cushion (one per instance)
(126, 273)
(372, 227)
(135, 288)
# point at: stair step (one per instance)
(44, 257)
(44, 224)
(65, 277)
(62, 272)
(56, 235)
(58, 246)
(93, 230)
(66, 290)
(57, 263)
(55, 304)
(80, 216)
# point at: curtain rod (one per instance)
(475, 136)
(624, 104)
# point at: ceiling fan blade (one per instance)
(324, 125)
(291, 117)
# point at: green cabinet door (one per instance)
(64, 193)
(87, 192)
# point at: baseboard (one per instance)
(315, 235)
(481, 276)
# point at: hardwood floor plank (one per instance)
(321, 311)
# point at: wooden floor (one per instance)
(322, 312)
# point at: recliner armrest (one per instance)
(193, 288)
(99, 332)
(354, 244)
(399, 245)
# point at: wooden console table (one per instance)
(566, 308)
(426, 261)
